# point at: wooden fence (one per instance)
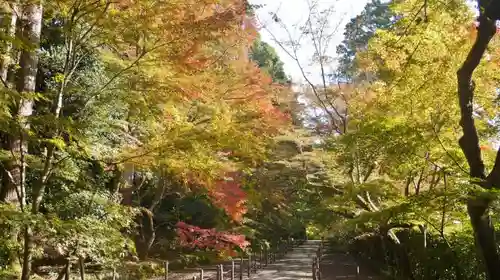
(239, 269)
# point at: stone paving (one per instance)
(296, 265)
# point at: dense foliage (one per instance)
(406, 163)
(129, 130)
(376, 15)
(138, 131)
(399, 163)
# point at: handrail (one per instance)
(316, 269)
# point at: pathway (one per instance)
(296, 265)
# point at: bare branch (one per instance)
(331, 110)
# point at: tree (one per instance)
(267, 60)
(197, 237)
(376, 15)
(117, 107)
(404, 172)
(14, 177)
(489, 13)
(326, 102)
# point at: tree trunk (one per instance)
(8, 22)
(145, 238)
(477, 207)
(31, 24)
(31, 30)
(8, 25)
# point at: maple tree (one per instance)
(134, 104)
(194, 236)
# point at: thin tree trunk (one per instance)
(407, 185)
(148, 231)
(147, 234)
(419, 181)
(436, 177)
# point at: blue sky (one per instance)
(293, 12)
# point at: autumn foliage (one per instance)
(228, 194)
(209, 97)
(196, 237)
(136, 106)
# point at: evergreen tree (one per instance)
(376, 15)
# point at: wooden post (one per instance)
(425, 235)
(217, 274)
(114, 273)
(318, 269)
(357, 272)
(241, 267)
(314, 268)
(266, 255)
(201, 274)
(260, 257)
(249, 264)
(166, 270)
(68, 270)
(232, 270)
(255, 263)
(82, 268)
(221, 268)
